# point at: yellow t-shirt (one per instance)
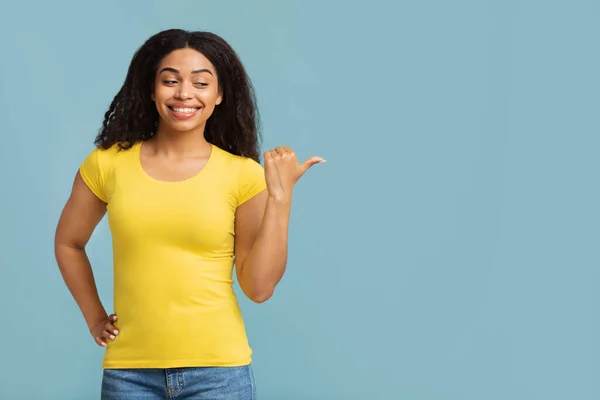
(173, 247)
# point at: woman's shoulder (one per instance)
(116, 149)
(113, 152)
(235, 160)
(247, 173)
(104, 158)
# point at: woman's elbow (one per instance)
(260, 296)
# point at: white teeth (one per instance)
(185, 110)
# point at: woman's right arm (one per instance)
(80, 216)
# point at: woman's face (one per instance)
(186, 90)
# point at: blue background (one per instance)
(447, 250)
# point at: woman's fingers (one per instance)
(100, 341)
(109, 331)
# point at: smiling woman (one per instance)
(174, 88)
(177, 169)
(184, 65)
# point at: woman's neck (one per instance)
(190, 143)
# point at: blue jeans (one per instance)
(214, 383)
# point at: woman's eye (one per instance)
(169, 82)
(201, 84)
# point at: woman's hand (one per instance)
(282, 171)
(104, 330)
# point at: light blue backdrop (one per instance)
(449, 248)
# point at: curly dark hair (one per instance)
(132, 115)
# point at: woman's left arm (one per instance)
(261, 225)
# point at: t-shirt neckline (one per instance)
(201, 172)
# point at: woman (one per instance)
(177, 170)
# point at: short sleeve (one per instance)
(252, 180)
(92, 173)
